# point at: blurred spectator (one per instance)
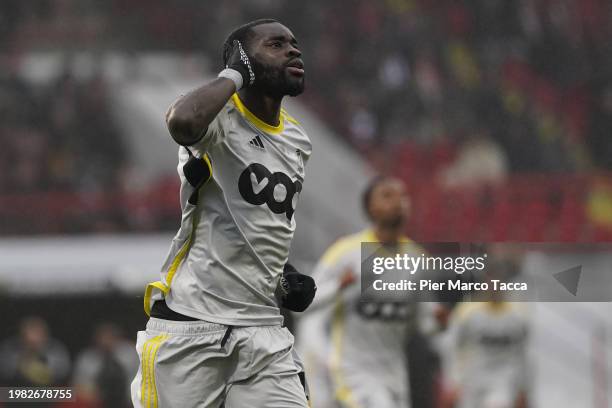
(480, 161)
(601, 126)
(57, 138)
(103, 373)
(33, 359)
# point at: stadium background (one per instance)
(497, 115)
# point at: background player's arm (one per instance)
(332, 276)
(457, 355)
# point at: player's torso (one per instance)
(378, 329)
(261, 177)
(243, 222)
(496, 336)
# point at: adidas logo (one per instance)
(256, 142)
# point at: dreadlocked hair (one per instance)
(241, 34)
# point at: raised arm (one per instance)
(189, 117)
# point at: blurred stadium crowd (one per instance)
(465, 97)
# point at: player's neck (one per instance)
(264, 107)
(387, 235)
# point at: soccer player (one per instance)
(214, 337)
(488, 362)
(365, 355)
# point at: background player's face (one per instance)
(389, 204)
(276, 60)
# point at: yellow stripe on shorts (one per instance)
(148, 390)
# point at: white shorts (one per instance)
(184, 364)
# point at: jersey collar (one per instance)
(370, 236)
(258, 123)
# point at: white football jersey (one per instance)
(489, 358)
(359, 343)
(226, 260)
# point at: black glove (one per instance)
(298, 290)
(197, 171)
(240, 62)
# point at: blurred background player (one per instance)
(488, 363)
(215, 337)
(360, 348)
(103, 372)
(34, 359)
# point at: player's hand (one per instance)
(347, 278)
(298, 289)
(239, 61)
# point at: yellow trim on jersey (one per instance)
(260, 124)
(342, 391)
(370, 236)
(180, 256)
(289, 117)
(148, 390)
(161, 286)
(206, 160)
(350, 243)
(342, 247)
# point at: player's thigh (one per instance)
(177, 370)
(275, 385)
(267, 391)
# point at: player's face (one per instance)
(279, 70)
(389, 204)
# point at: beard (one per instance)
(276, 81)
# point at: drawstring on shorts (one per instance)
(226, 335)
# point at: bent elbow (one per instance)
(180, 128)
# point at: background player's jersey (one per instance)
(489, 358)
(367, 340)
(226, 260)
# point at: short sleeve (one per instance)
(214, 134)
